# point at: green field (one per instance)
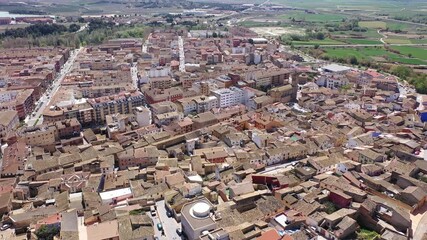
(397, 40)
(389, 6)
(250, 24)
(373, 24)
(310, 17)
(419, 41)
(318, 42)
(373, 54)
(415, 52)
(363, 41)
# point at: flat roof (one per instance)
(115, 193)
(335, 68)
(194, 221)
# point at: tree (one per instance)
(74, 27)
(214, 35)
(402, 71)
(47, 232)
(353, 60)
(320, 36)
(316, 46)
(330, 207)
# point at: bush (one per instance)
(47, 232)
(74, 27)
(330, 207)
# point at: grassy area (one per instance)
(311, 17)
(365, 234)
(419, 41)
(373, 24)
(318, 42)
(397, 40)
(398, 26)
(413, 51)
(372, 33)
(377, 54)
(393, 26)
(383, 6)
(363, 41)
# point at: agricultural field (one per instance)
(373, 24)
(363, 41)
(378, 54)
(326, 41)
(414, 52)
(312, 17)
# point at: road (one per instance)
(384, 36)
(144, 46)
(156, 220)
(82, 228)
(181, 54)
(36, 117)
(169, 224)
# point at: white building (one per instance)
(205, 103)
(115, 196)
(228, 97)
(332, 81)
(196, 218)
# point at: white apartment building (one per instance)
(228, 97)
(332, 81)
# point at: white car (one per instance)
(5, 226)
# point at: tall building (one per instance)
(228, 97)
(18, 100)
(8, 122)
(124, 103)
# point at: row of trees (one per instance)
(38, 30)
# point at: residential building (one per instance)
(123, 103)
(9, 121)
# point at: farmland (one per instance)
(378, 54)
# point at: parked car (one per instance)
(159, 226)
(5, 226)
(168, 213)
(179, 231)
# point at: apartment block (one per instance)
(124, 103)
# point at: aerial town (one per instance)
(204, 135)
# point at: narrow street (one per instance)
(145, 45)
(36, 118)
(169, 223)
(181, 54)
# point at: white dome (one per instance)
(201, 210)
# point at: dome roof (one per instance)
(201, 210)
